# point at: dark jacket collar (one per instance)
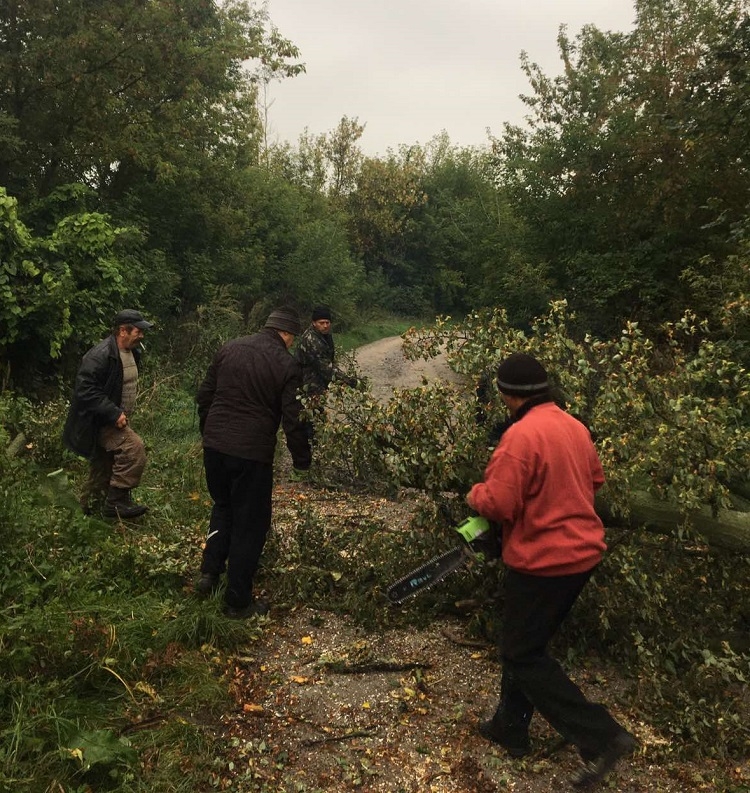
(530, 403)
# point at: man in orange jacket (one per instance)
(539, 485)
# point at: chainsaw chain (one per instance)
(427, 575)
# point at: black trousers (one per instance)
(535, 607)
(240, 519)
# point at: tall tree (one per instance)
(102, 91)
(463, 239)
(328, 163)
(617, 191)
(379, 210)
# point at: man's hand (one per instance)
(347, 379)
(122, 421)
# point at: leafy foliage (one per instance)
(156, 81)
(132, 141)
(628, 172)
(386, 445)
(55, 287)
(670, 417)
(673, 417)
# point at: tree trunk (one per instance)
(15, 446)
(729, 529)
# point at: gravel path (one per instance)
(384, 364)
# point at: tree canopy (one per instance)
(632, 169)
(626, 194)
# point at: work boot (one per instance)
(255, 608)
(207, 584)
(119, 505)
(515, 744)
(593, 771)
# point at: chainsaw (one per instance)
(480, 541)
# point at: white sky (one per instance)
(409, 69)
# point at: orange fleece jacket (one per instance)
(539, 485)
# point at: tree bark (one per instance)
(729, 529)
(15, 446)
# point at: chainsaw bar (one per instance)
(428, 574)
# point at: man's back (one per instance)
(540, 485)
(251, 384)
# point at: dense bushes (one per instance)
(671, 418)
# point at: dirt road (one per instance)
(385, 366)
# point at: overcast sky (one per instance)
(411, 68)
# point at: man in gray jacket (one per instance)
(98, 422)
(251, 388)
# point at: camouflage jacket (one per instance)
(315, 354)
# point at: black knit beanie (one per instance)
(285, 319)
(321, 312)
(521, 375)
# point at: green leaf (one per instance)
(100, 747)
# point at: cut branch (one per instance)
(344, 668)
(333, 738)
(728, 529)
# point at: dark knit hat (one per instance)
(321, 312)
(286, 319)
(130, 316)
(521, 375)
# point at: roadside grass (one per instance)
(109, 670)
(374, 331)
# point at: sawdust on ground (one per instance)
(322, 705)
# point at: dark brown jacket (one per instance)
(250, 389)
(96, 396)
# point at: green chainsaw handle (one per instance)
(481, 537)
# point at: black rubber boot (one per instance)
(119, 505)
(515, 744)
(207, 584)
(255, 608)
(593, 771)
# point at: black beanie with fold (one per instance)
(522, 375)
(321, 312)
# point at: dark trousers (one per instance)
(313, 414)
(240, 519)
(535, 607)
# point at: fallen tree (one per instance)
(728, 529)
